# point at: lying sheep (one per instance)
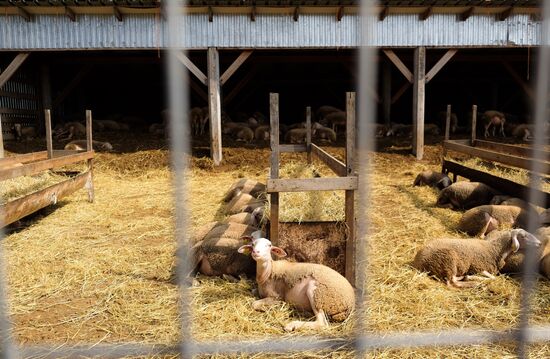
(484, 219)
(515, 262)
(432, 179)
(229, 128)
(307, 286)
(244, 134)
(493, 118)
(543, 234)
(200, 233)
(250, 219)
(512, 201)
(262, 133)
(297, 135)
(457, 260)
(254, 188)
(399, 129)
(243, 202)
(465, 195)
(23, 132)
(80, 145)
(111, 125)
(70, 129)
(323, 111)
(544, 217)
(230, 230)
(324, 133)
(219, 255)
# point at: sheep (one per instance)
(254, 188)
(231, 127)
(307, 286)
(493, 118)
(71, 129)
(80, 145)
(26, 132)
(465, 195)
(544, 217)
(543, 234)
(512, 201)
(378, 129)
(457, 260)
(399, 129)
(251, 219)
(200, 233)
(219, 256)
(484, 219)
(432, 179)
(514, 263)
(198, 121)
(112, 125)
(262, 133)
(336, 119)
(323, 111)
(297, 135)
(324, 133)
(244, 134)
(230, 230)
(431, 129)
(243, 202)
(442, 120)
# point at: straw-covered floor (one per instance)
(103, 272)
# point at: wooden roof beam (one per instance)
(117, 13)
(384, 13)
(192, 67)
(439, 65)
(70, 13)
(235, 66)
(296, 13)
(24, 14)
(426, 14)
(210, 14)
(505, 14)
(340, 13)
(253, 13)
(399, 64)
(12, 67)
(466, 14)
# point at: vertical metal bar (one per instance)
(47, 116)
(179, 135)
(474, 125)
(274, 197)
(308, 133)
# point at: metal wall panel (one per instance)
(57, 32)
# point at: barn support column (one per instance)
(214, 105)
(386, 92)
(419, 97)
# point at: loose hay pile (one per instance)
(103, 272)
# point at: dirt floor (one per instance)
(81, 273)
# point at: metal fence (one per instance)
(362, 341)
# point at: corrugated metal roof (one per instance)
(147, 31)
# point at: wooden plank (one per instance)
(90, 148)
(24, 14)
(501, 184)
(293, 148)
(474, 125)
(419, 99)
(528, 90)
(448, 122)
(503, 158)
(89, 143)
(274, 172)
(423, 16)
(36, 167)
(48, 126)
(311, 184)
(513, 149)
(466, 14)
(71, 85)
(235, 66)
(505, 14)
(335, 165)
(25, 158)
(237, 89)
(12, 67)
(117, 13)
(61, 153)
(384, 13)
(350, 131)
(400, 92)
(70, 13)
(439, 64)
(215, 106)
(399, 64)
(19, 208)
(340, 13)
(308, 133)
(191, 67)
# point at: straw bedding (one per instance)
(103, 272)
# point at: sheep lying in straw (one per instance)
(458, 260)
(515, 262)
(432, 179)
(543, 234)
(307, 286)
(251, 219)
(466, 195)
(245, 185)
(481, 220)
(70, 129)
(243, 202)
(80, 145)
(23, 132)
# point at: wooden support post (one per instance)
(308, 133)
(48, 124)
(419, 101)
(12, 67)
(214, 104)
(350, 200)
(89, 147)
(1, 139)
(274, 124)
(45, 88)
(386, 92)
(474, 125)
(447, 131)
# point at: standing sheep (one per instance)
(484, 219)
(432, 179)
(465, 195)
(493, 118)
(307, 286)
(254, 188)
(456, 260)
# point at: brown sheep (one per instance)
(432, 179)
(466, 195)
(493, 118)
(484, 219)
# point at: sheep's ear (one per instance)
(246, 249)
(515, 243)
(279, 252)
(247, 238)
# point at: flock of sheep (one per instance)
(501, 221)
(237, 246)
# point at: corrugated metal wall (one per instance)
(52, 32)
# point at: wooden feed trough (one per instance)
(346, 180)
(36, 162)
(506, 154)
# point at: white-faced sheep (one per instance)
(465, 195)
(432, 179)
(80, 145)
(514, 263)
(243, 202)
(254, 188)
(457, 260)
(481, 220)
(307, 286)
(493, 118)
(219, 256)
